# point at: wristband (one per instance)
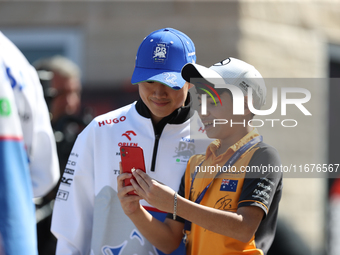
(175, 206)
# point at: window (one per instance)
(37, 43)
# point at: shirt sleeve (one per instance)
(260, 187)
(34, 118)
(72, 217)
(41, 145)
(17, 214)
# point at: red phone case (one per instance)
(131, 157)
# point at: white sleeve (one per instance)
(34, 119)
(64, 247)
(73, 209)
(44, 164)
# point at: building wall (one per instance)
(290, 40)
(112, 31)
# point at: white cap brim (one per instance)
(191, 71)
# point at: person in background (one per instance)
(87, 216)
(61, 81)
(28, 157)
(228, 211)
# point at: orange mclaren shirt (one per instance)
(254, 180)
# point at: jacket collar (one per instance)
(212, 148)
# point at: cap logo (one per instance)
(223, 62)
(170, 78)
(210, 94)
(160, 53)
(244, 85)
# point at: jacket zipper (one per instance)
(154, 154)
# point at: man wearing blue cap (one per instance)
(87, 217)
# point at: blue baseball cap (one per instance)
(161, 57)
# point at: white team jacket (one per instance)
(87, 217)
(38, 136)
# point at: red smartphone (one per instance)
(132, 158)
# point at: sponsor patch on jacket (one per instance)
(184, 150)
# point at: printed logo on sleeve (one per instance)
(5, 107)
(66, 181)
(69, 171)
(62, 194)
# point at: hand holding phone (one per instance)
(132, 158)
